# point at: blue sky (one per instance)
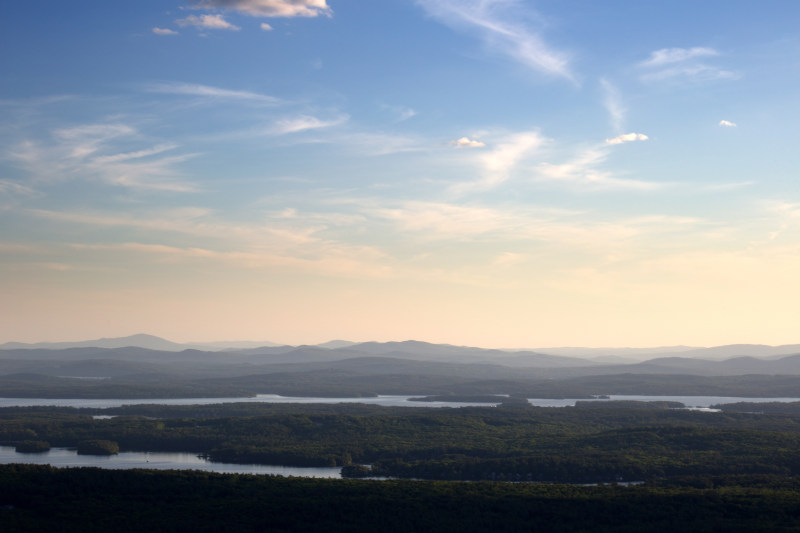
(497, 173)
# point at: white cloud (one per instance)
(691, 72)
(585, 170)
(266, 27)
(727, 124)
(90, 152)
(208, 91)
(268, 8)
(305, 122)
(501, 161)
(466, 142)
(164, 31)
(212, 22)
(501, 28)
(667, 56)
(82, 141)
(117, 158)
(627, 137)
(687, 63)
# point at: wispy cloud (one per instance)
(727, 124)
(117, 158)
(668, 56)
(266, 27)
(400, 113)
(164, 31)
(499, 25)
(84, 140)
(500, 162)
(612, 101)
(683, 63)
(585, 169)
(306, 122)
(268, 8)
(10, 187)
(91, 152)
(209, 91)
(211, 22)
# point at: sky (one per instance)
(497, 173)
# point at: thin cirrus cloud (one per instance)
(306, 122)
(164, 31)
(208, 91)
(400, 113)
(667, 56)
(91, 152)
(585, 169)
(727, 124)
(268, 8)
(211, 22)
(612, 101)
(500, 28)
(683, 63)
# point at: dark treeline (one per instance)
(340, 384)
(579, 445)
(41, 498)
(789, 408)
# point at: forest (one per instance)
(590, 443)
(42, 498)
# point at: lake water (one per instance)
(65, 457)
(387, 401)
(692, 402)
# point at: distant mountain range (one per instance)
(340, 368)
(140, 340)
(584, 355)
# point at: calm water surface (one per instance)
(389, 401)
(65, 457)
(692, 402)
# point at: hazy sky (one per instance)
(487, 172)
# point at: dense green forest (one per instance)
(41, 498)
(583, 444)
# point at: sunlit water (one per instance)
(387, 401)
(65, 457)
(691, 402)
(700, 403)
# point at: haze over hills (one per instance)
(140, 340)
(591, 355)
(140, 352)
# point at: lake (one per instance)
(66, 457)
(692, 402)
(386, 400)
